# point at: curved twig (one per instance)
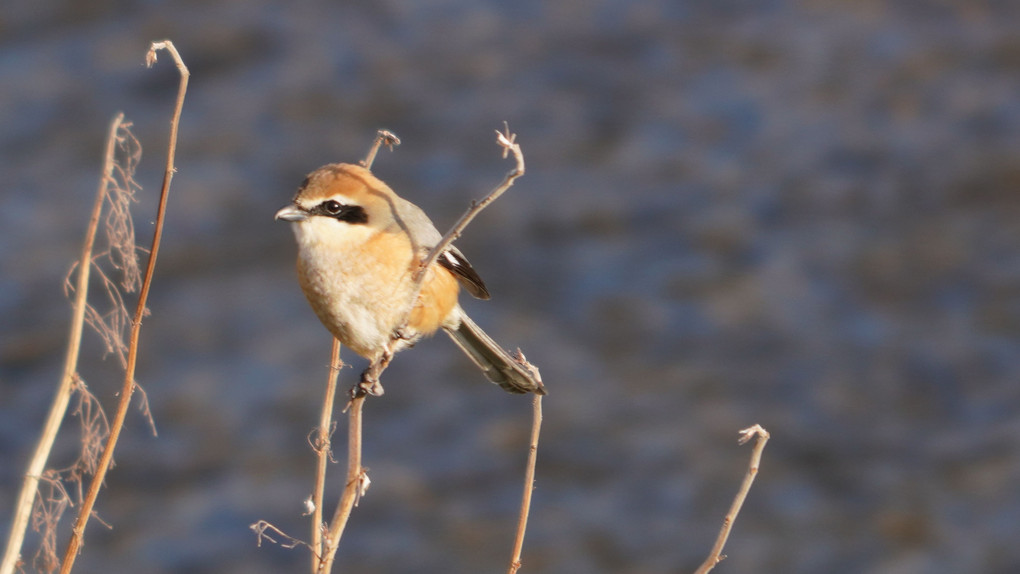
(716, 556)
(78, 531)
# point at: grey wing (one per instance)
(425, 236)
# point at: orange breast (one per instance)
(439, 290)
(438, 297)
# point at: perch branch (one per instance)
(355, 487)
(370, 379)
(324, 551)
(508, 142)
(322, 447)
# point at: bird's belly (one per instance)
(362, 314)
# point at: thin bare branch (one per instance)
(129, 384)
(747, 434)
(507, 141)
(322, 447)
(529, 484)
(382, 137)
(23, 506)
(355, 487)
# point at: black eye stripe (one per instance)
(340, 212)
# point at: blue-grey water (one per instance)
(799, 214)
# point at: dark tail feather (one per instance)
(514, 374)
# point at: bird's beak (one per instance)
(291, 212)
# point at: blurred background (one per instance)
(799, 214)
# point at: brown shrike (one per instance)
(359, 247)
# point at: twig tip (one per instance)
(751, 431)
(507, 140)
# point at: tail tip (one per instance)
(534, 378)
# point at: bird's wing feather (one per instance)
(455, 261)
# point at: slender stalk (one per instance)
(23, 507)
(356, 484)
(507, 142)
(127, 389)
(716, 556)
(529, 484)
(323, 551)
(322, 449)
(382, 137)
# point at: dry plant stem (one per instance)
(507, 141)
(529, 484)
(23, 507)
(716, 555)
(127, 388)
(353, 488)
(322, 449)
(382, 137)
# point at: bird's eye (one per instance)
(341, 212)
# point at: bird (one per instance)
(360, 246)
